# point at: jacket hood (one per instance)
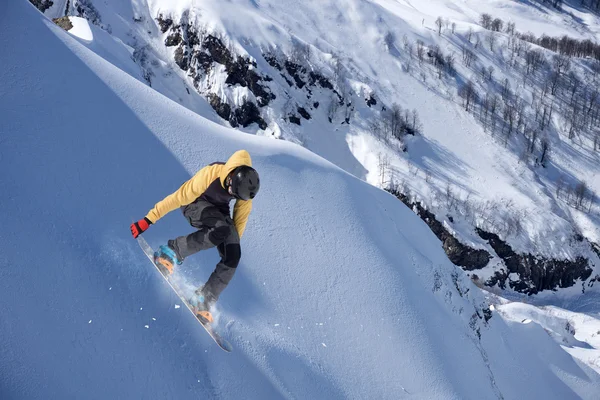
(237, 159)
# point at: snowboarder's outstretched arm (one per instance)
(187, 193)
(195, 187)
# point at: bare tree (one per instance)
(470, 34)
(383, 164)
(485, 20)
(408, 46)
(510, 28)
(420, 50)
(560, 185)
(468, 56)
(449, 63)
(560, 66)
(497, 25)
(544, 151)
(534, 59)
(490, 71)
(581, 191)
(491, 40)
(505, 91)
(468, 93)
(439, 22)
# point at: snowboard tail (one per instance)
(204, 317)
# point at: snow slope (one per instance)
(577, 333)
(486, 175)
(342, 291)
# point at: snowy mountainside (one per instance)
(321, 73)
(342, 292)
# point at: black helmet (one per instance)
(244, 182)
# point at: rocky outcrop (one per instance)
(198, 52)
(42, 5)
(299, 75)
(247, 114)
(371, 101)
(164, 23)
(222, 109)
(303, 113)
(535, 273)
(460, 254)
(63, 22)
(173, 39)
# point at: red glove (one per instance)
(138, 227)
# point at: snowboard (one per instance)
(224, 344)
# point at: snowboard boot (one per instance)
(166, 259)
(202, 305)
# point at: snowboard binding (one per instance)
(166, 259)
(201, 308)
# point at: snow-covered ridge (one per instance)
(249, 74)
(342, 292)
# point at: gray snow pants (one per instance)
(215, 228)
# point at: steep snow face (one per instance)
(342, 291)
(466, 176)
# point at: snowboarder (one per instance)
(204, 200)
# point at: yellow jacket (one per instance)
(197, 187)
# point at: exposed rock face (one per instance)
(460, 254)
(535, 273)
(164, 23)
(303, 113)
(181, 58)
(198, 52)
(173, 39)
(63, 22)
(42, 5)
(371, 101)
(294, 119)
(222, 109)
(248, 114)
(300, 77)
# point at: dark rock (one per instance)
(86, 9)
(181, 58)
(294, 119)
(203, 60)
(535, 273)
(315, 77)
(296, 71)
(303, 113)
(248, 114)
(63, 22)
(371, 101)
(240, 74)
(287, 80)
(42, 5)
(191, 35)
(272, 61)
(316, 104)
(173, 39)
(238, 69)
(460, 254)
(596, 248)
(217, 50)
(164, 23)
(222, 109)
